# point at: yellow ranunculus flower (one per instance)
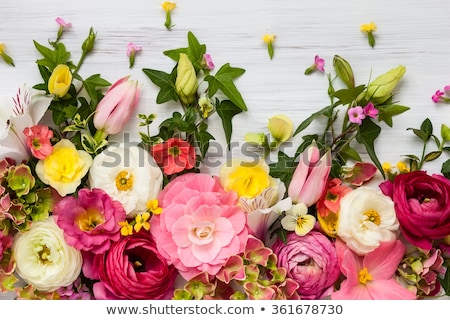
(64, 168)
(280, 127)
(60, 81)
(247, 179)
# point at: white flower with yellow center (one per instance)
(366, 218)
(44, 259)
(297, 219)
(129, 175)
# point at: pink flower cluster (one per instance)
(358, 114)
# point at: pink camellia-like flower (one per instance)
(201, 225)
(310, 260)
(422, 206)
(90, 221)
(132, 269)
(38, 140)
(116, 107)
(174, 155)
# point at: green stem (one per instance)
(422, 158)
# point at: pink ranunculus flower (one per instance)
(132, 269)
(422, 206)
(38, 140)
(310, 260)
(201, 225)
(90, 221)
(116, 107)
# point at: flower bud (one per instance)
(259, 139)
(344, 71)
(445, 132)
(380, 89)
(281, 128)
(186, 83)
(114, 110)
(60, 81)
(88, 44)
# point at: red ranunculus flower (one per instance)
(174, 155)
(422, 206)
(132, 269)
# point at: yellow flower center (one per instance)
(364, 276)
(89, 220)
(249, 181)
(373, 216)
(43, 253)
(124, 181)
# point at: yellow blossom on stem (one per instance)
(269, 39)
(153, 207)
(168, 7)
(369, 28)
(4, 56)
(127, 229)
(142, 221)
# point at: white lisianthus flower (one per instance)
(44, 259)
(366, 218)
(129, 175)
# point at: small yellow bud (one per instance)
(186, 83)
(380, 89)
(281, 128)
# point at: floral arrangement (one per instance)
(83, 216)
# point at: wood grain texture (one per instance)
(413, 33)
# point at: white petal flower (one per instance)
(366, 218)
(24, 110)
(297, 219)
(44, 259)
(129, 175)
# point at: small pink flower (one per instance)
(208, 61)
(63, 23)
(447, 89)
(91, 221)
(38, 140)
(437, 96)
(320, 63)
(370, 111)
(132, 48)
(356, 115)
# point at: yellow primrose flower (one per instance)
(402, 167)
(368, 27)
(64, 168)
(297, 219)
(247, 179)
(269, 40)
(153, 207)
(127, 229)
(142, 221)
(168, 7)
(281, 128)
(60, 80)
(386, 166)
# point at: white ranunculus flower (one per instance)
(128, 174)
(366, 218)
(44, 259)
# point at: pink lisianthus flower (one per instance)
(174, 155)
(371, 277)
(38, 140)
(356, 115)
(201, 225)
(310, 260)
(90, 221)
(132, 269)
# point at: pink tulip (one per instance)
(114, 110)
(310, 176)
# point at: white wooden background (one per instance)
(413, 33)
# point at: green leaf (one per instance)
(445, 170)
(366, 135)
(194, 51)
(284, 168)
(386, 112)
(226, 110)
(348, 153)
(203, 137)
(445, 282)
(51, 58)
(223, 80)
(421, 134)
(91, 84)
(166, 83)
(346, 96)
(311, 118)
(427, 127)
(432, 156)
